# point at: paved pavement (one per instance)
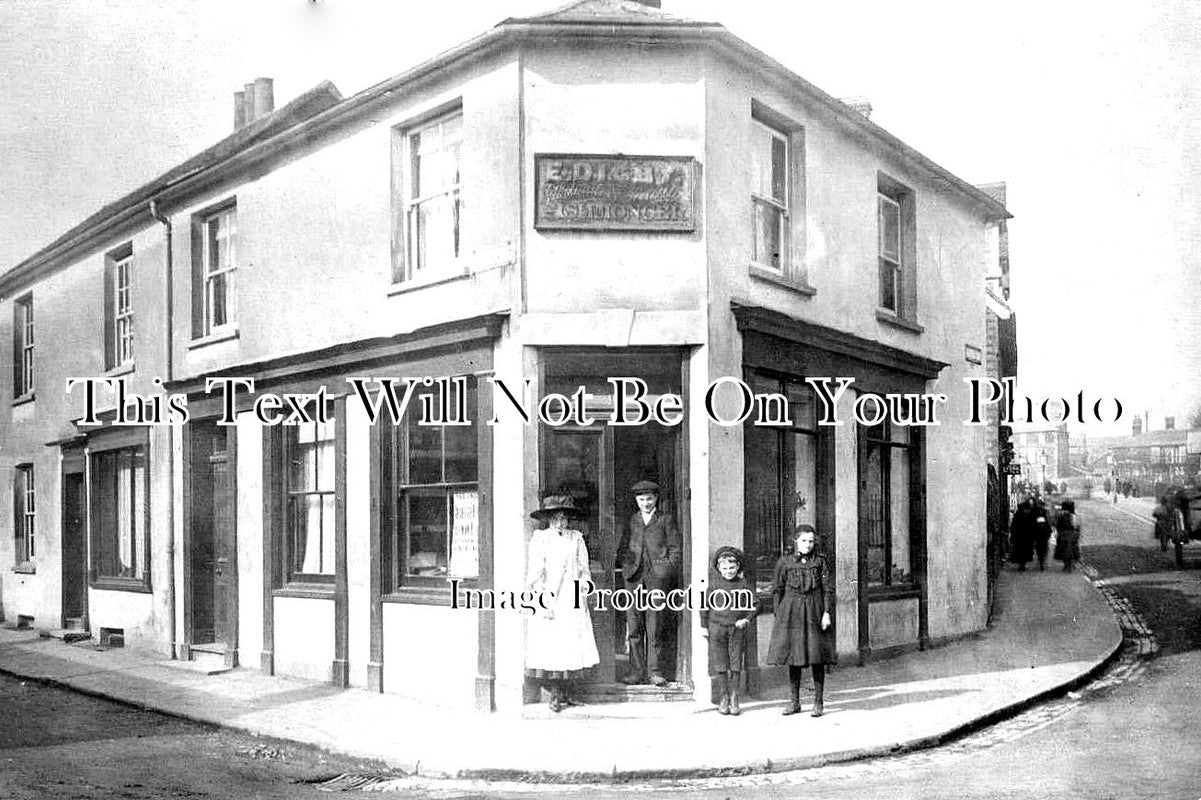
(1050, 632)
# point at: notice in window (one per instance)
(627, 193)
(465, 537)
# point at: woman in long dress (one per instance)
(559, 642)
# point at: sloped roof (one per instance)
(309, 104)
(322, 109)
(605, 12)
(1150, 439)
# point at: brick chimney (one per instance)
(1137, 426)
(1169, 423)
(255, 100)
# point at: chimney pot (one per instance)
(264, 97)
(248, 102)
(239, 109)
(859, 104)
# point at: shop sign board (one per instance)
(615, 192)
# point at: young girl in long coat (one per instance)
(800, 636)
(559, 642)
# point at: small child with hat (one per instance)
(724, 621)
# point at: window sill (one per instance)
(25, 569)
(121, 585)
(882, 594)
(421, 595)
(766, 275)
(21, 400)
(119, 370)
(890, 318)
(311, 591)
(214, 338)
(434, 278)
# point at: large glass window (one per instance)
(310, 492)
(120, 516)
(781, 478)
(436, 479)
(888, 483)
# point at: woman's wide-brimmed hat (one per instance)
(554, 503)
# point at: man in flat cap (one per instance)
(649, 556)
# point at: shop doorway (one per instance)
(212, 559)
(74, 543)
(598, 465)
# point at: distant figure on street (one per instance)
(1165, 522)
(1021, 533)
(1067, 535)
(1042, 531)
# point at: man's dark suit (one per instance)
(649, 556)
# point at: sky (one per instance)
(1088, 111)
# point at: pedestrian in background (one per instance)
(800, 635)
(1067, 535)
(1042, 531)
(1021, 533)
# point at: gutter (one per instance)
(169, 316)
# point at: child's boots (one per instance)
(735, 682)
(723, 693)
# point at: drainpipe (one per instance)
(169, 316)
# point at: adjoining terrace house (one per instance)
(603, 190)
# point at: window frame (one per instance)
(780, 205)
(24, 517)
(204, 278)
(409, 264)
(98, 483)
(397, 466)
(118, 308)
(24, 369)
(289, 441)
(915, 447)
(792, 271)
(903, 264)
(821, 442)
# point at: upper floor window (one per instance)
(24, 520)
(777, 174)
(214, 270)
(118, 308)
(23, 346)
(769, 196)
(897, 248)
(432, 197)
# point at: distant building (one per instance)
(1043, 453)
